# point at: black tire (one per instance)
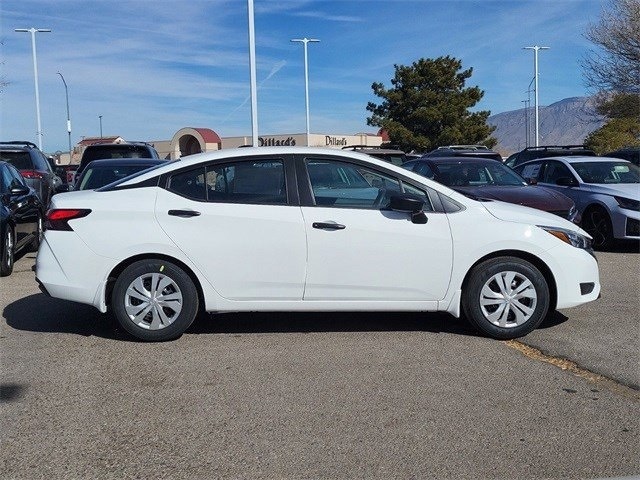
(494, 314)
(160, 322)
(597, 223)
(39, 234)
(8, 251)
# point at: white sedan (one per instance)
(307, 229)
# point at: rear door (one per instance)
(240, 224)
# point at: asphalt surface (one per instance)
(319, 396)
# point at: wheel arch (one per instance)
(118, 269)
(536, 261)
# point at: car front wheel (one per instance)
(154, 300)
(506, 297)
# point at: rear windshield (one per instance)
(20, 160)
(119, 151)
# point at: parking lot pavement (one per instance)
(602, 336)
(307, 396)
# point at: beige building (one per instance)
(188, 141)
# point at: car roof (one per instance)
(574, 159)
(124, 161)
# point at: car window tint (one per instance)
(341, 184)
(255, 181)
(20, 160)
(554, 171)
(424, 169)
(190, 184)
(17, 179)
(5, 179)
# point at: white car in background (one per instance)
(304, 229)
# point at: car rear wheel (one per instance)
(8, 252)
(506, 297)
(596, 222)
(154, 300)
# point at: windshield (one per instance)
(607, 172)
(134, 175)
(477, 174)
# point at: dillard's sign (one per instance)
(276, 142)
(335, 141)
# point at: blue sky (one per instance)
(152, 67)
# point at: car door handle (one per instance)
(328, 226)
(184, 213)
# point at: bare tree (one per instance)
(616, 65)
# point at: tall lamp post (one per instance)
(535, 49)
(33, 31)
(305, 41)
(252, 74)
(66, 93)
(100, 117)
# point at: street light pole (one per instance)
(252, 74)
(305, 42)
(100, 117)
(66, 93)
(535, 49)
(33, 31)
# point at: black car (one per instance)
(472, 151)
(21, 217)
(33, 165)
(490, 180)
(103, 172)
(632, 154)
(391, 155)
(532, 153)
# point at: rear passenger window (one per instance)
(254, 182)
(190, 184)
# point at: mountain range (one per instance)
(566, 122)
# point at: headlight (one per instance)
(628, 203)
(568, 236)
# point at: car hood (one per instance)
(530, 216)
(528, 195)
(629, 190)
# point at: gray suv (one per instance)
(33, 165)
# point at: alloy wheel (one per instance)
(597, 225)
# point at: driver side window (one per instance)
(347, 185)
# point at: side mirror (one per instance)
(409, 204)
(532, 181)
(566, 182)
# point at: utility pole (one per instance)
(535, 49)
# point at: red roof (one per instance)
(91, 140)
(208, 135)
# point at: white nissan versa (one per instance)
(307, 229)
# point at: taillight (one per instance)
(58, 218)
(32, 174)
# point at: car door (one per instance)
(24, 208)
(554, 170)
(360, 250)
(240, 224)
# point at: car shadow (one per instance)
(60, 316)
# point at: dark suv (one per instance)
(391, 155)
(532, 153)
(33, 165)
(474, 151)
(99, 151)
